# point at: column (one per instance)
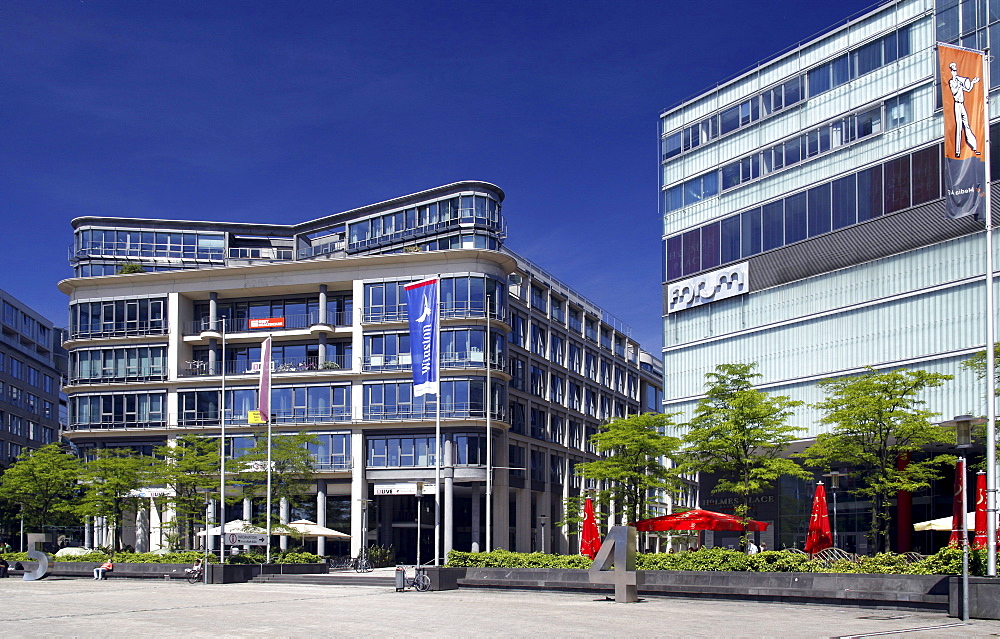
(522, 526)
(88, 533)
(321, 514)
(448, 475)
(213, 356)
(322, 351)
(544, 503)
(564, 537)
(283, 518)
(209, 523)
(213, 310)
(155, 526)
(322, 305)
(142, 530)
(359, 491)
(476, 530)
(501, 495)
(247, 516)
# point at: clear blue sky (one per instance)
(287, 111)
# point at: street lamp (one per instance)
(963, 440)
(542, 520)
(835, 476)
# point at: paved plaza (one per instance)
(84, 608)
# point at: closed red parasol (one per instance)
(590, 536)
(698, 520)
(818, 537)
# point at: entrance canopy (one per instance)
(698, 520)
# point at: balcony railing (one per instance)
(449, 310)
(118, 375)
(460, 359)
(202, 368)
(244, 324)
(119, 329)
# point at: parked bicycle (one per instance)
(419, 582)
(194, 575)
(362, 564)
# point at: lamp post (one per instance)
(542, 520)
(963, 440)
(834, 476)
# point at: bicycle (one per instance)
(361, 564)
(420, 581)
(194, 576)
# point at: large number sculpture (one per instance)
(42, 570)
(618, 548)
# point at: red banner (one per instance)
(267, 322)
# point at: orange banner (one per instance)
(962, 99)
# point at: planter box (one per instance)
(984, 597)
(242, 573)
(217, 574)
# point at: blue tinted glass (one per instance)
(710, 184)
(897, 184)
(869, 193)
(947, 29)
(673, 199)
(730, 239)
(793, 91)
(926, 175)
(710, 245)
(731, 176)
(730, 119)
(889, 48)
(795, 218)
(692, 251)
(819, 210)
(774, 225)
(841, 68)
(819, 80)
(675, 256)
(672, 146)
(751, 232)
(692, 191)
(845, 206)
(868, 58)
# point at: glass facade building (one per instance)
(149, 349)
(804, 225)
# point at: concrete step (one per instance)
(328, 580)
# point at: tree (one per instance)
(632, 452)
(44, 483)
(190, 468)
(293, 467)
(977, 364)
(877, 418)
(110, 480)
(739, 433)
(128, 267)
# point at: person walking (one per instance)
(106, 567)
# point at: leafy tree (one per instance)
(293, 468)
(739, 433)
(878, 418)
(190, 468)
(109, 480)
(632, 453)
(128, 267)
(977, 364)
(44, 484)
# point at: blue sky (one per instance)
(287, 111)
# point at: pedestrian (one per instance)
(4, 567)
(752, 548)
(106, 567)
(5, 547)
(763, 546)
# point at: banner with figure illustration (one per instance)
(965, 152)
(422, 307)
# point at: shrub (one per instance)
(296, 558)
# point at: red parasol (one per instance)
(980, 539)
(698, 520)
(819, 538)
(590, 536)
(958, 505)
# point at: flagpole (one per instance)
(488, 546)
(991, 425)
(222, 454)
(267, 417)
(437, 429)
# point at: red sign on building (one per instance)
(268, 322)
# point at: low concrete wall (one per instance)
(905, 591)
(217, 574)
(443, 578)
(242, 573)
(984, 597)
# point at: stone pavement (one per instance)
(123, 607)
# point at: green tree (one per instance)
(977, 364)
(44, 483)
(190, 467)
(877, 418)
(109, 481)
(129, 267)
(740, 433)
(293, 468)
(632, 450)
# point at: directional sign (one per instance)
(246, 539)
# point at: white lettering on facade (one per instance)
(708, 287)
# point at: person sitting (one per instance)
(4, 567)
(103, 569)
(196, 568)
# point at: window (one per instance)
(385, 302)
(557, 348)
(537, 340)
(118, 318)
(401, 451)
(537, 382)
(538, 423)
(518, 330)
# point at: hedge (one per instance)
(181, 557)
(947, 561)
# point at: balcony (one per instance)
(201, 368)
(119, 329)
(449, 310)
(255, 325)
(118, 375)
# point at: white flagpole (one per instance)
(991, 414)
(270, 413)
(222, 454)
(437, 430)
(489, 425)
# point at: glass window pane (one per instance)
(845, 206)
(870, 193)
(774, 225)
(897, 184)
(730, 239)
(926, 175)
(675, 256)
(692, 252)
(819, 80)
(730, 119)
(795, 218)
(819, 210)
(751, 232)
(710, 245)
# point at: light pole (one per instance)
(834, 476)
(963, 440)
(542, 520)
(222, 454)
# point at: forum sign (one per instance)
(708, 287)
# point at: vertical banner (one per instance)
(422, 306)
(264, 399)
(964, 131)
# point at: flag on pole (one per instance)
(264, 401)
(980, 539)
(958, 505)
(422, 306)
(590, 536)
(819, 536)
(965, 152)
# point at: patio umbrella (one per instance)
(944, 524)
(590, 536)
(306, 528)
(234, 526)
(819, 537)
(698, 520)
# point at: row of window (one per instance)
(26, 325)
(331, 451)
(17, 425)
(461, 297)
(19, 370)
(466, 209)
(900, 183)
(860, 61)
(468, 449)
(202, 246)
(300, 312)
(117, 318)
(15, 396)
(891, 114)
(966, 26)
(118, 364)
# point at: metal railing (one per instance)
(243, 324)
(120, 329)
(202, 368)
(449, 310)
(116, 376)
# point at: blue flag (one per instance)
(422, 305)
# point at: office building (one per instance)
(804, 229)
(520, 350)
